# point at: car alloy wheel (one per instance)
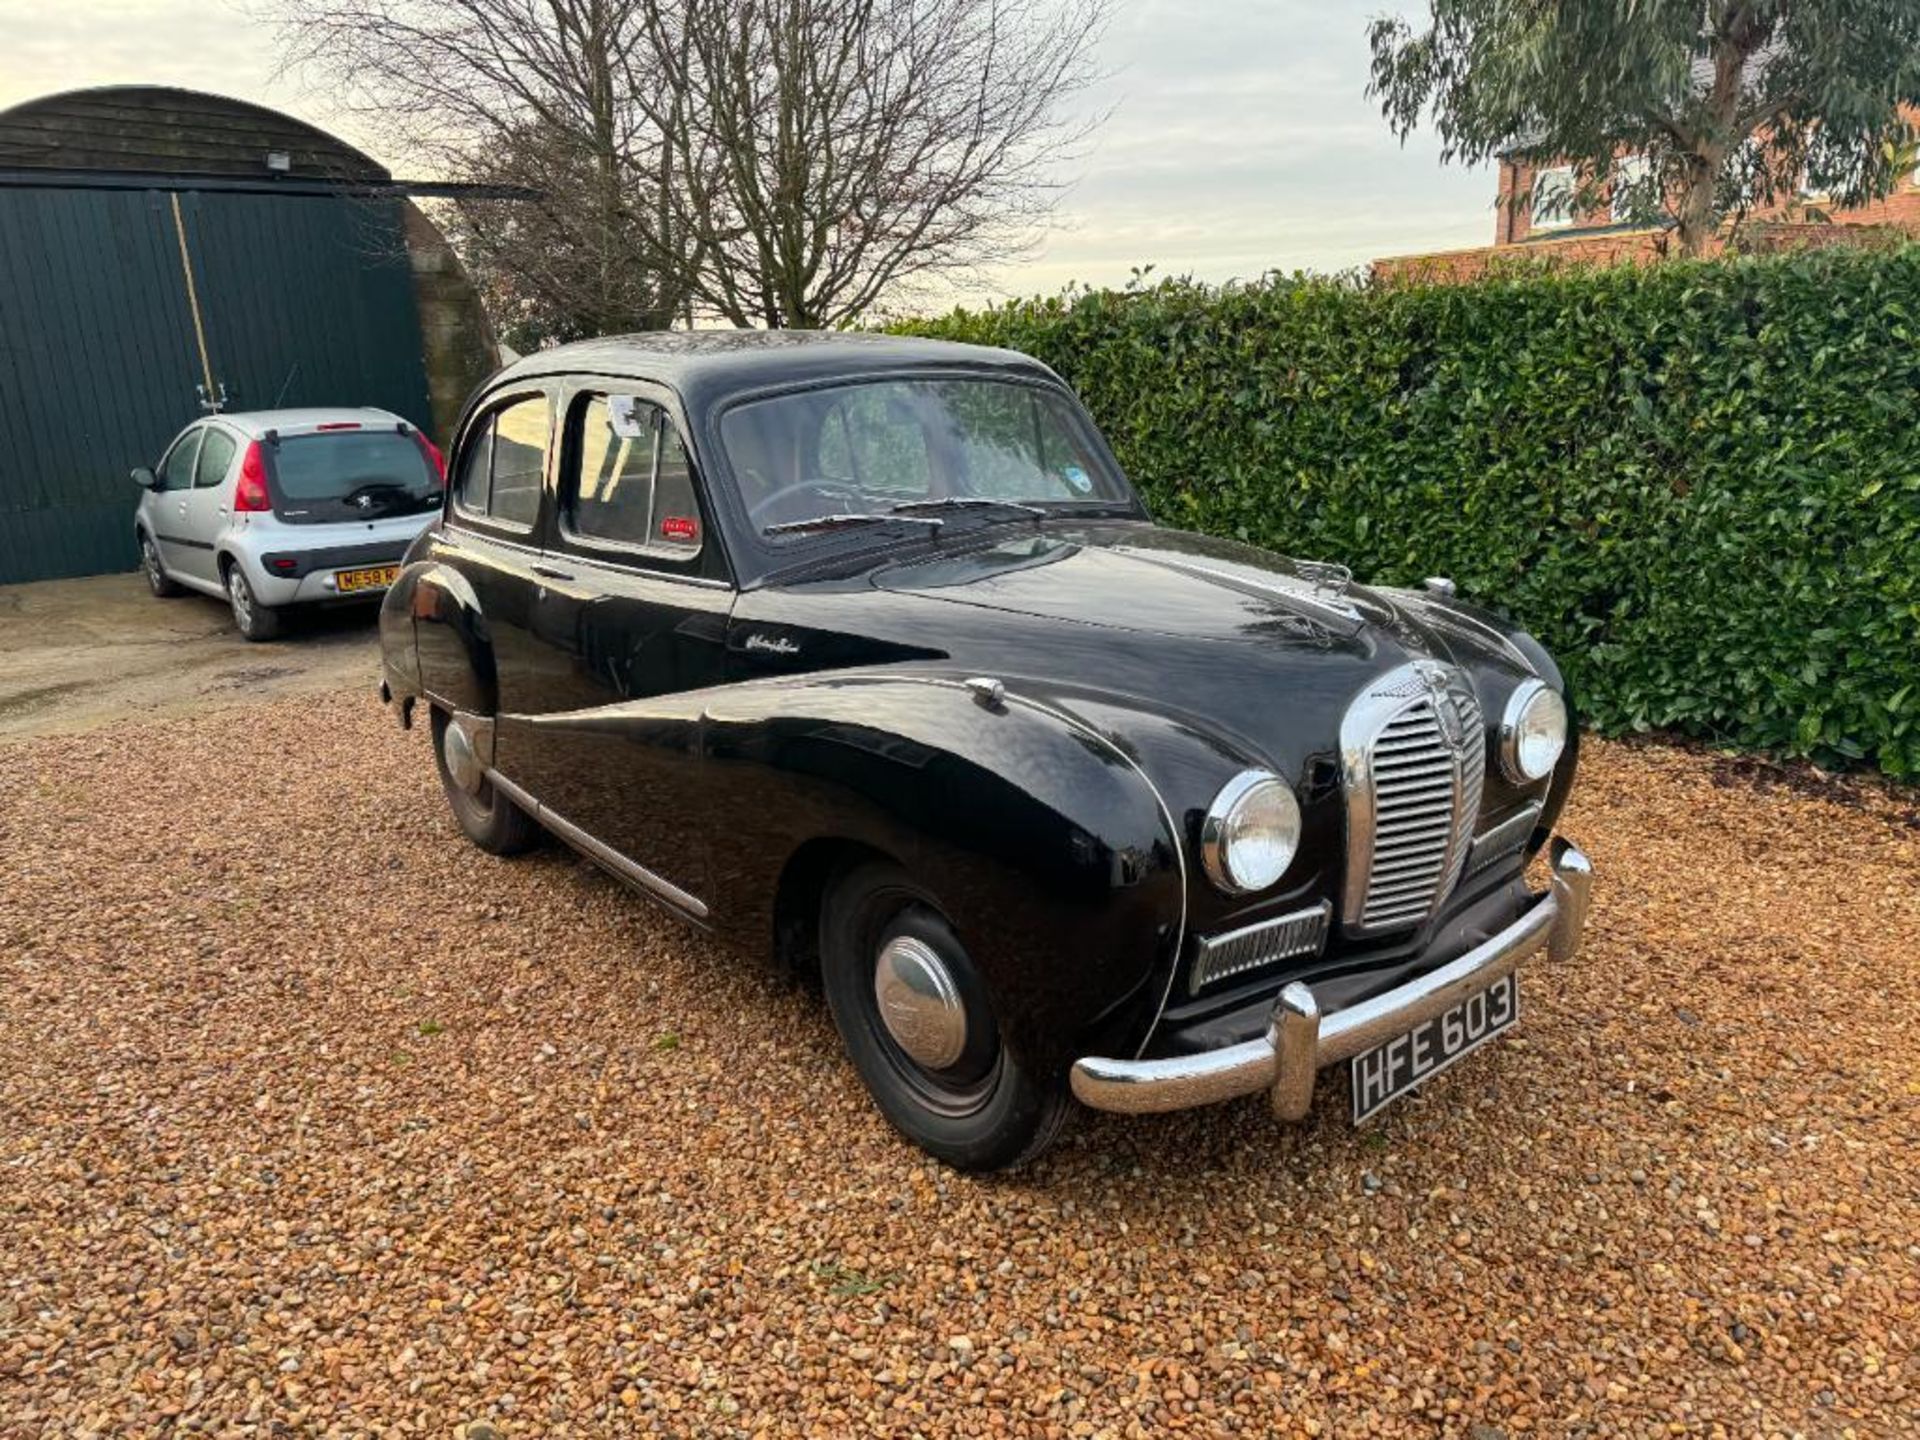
(254, 620)
(157, 580)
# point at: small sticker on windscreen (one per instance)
(680, 527)
(1078, 478)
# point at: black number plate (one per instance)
(1388, 1071)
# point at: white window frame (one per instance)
(1562, 219)
(1631, 172)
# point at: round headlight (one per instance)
(1533, 732)
(1251, 832)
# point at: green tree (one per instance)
(1735, 104)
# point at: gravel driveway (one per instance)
(315, 1120)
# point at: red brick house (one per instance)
(1532, 218)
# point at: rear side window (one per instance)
(216, 454)
(631, 485)
(503, 463)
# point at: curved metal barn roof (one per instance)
(163, 131)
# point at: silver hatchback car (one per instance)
(272, 508)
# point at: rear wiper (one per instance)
(835, 522)
(967, 502)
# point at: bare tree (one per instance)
(769, 162)
(829, 150)
(529, 93)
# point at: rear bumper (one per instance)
(1300, 1041)
(296, 565)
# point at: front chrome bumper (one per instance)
(1300, 1041)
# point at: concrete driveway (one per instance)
(75, 654)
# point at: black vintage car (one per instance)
(861, 652)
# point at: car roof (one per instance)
(305, 420)
(708, 365)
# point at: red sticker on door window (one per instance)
(680, 527)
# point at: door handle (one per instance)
(550, 573)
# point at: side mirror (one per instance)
(144, 478)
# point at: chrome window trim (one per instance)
(1523, 696)
(1213, 854)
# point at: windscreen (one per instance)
(352, 475)
(885, 446)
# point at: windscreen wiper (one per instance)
(967, 502)
(836, 522)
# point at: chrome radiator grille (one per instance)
(1414, 753)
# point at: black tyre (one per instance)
(158, 580)
(490, 819)
(250, 617)
(931, 1053)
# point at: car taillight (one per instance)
(250, 492)
(433, 454)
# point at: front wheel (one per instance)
(915, 1018)
(490, 819)
(250, 617)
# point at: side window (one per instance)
(216, 454)
(676, 510)
(520, 434)
(175, 470)
(633, 486)
(613, 500)
(503, 463)
(476, 470)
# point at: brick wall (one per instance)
(1594, 240)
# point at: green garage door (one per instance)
(120, 309)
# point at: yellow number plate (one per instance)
(377, 578)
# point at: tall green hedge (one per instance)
(1697, 482)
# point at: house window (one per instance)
(1630, 188)
(1553, 198)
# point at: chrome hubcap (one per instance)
(462, 764)
(919, 1003)
(242, 602)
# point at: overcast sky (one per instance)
(1240, 138)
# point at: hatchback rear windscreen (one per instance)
(352, 475)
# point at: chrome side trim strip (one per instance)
(598, 851)
(1300, 1040)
